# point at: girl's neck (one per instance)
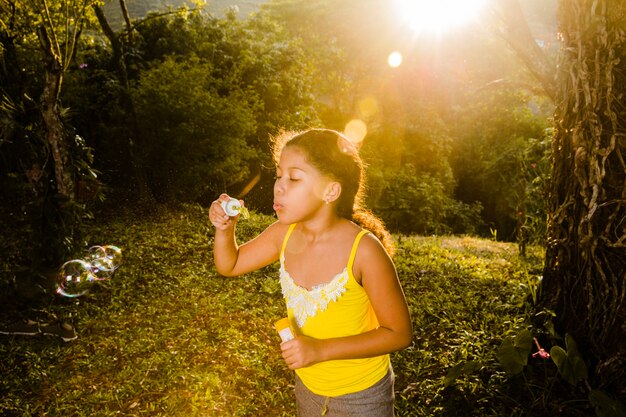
(318, 229)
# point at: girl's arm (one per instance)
(231, 259)
(380, 281)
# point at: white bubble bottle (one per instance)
(233, 207)
(283, 327)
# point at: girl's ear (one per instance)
(332, 192)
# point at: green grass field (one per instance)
(168, 336)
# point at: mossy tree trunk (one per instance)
(585, 266)
(55, 131)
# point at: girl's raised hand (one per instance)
(218, 216)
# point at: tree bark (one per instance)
(585, 268)
(55, 131)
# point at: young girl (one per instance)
(343, 297)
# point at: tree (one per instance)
(197, 131)
(585, 268)
(58, 26)
(47, 158)
(120, 42)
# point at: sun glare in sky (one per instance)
(438, 16)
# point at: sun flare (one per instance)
(438, 16)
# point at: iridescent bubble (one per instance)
(75, 278)
(102, 268)
(104, 260)
(114, 255)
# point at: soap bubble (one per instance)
(114, 255)
(104, 260)
(75, 278)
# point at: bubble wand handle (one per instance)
(283, 327)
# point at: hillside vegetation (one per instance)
(138, 9)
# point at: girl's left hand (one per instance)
(301, 352)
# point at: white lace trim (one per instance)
(307, 303)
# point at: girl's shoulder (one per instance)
(370, 246)
(275, 233)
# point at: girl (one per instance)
(343, 297)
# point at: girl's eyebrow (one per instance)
(291, 168)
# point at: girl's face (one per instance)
(299, 187)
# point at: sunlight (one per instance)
(437, 16)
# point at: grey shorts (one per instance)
(375, 401)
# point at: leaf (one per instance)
(461, 368)
(569, 363)
(453, 374)
(572, 347)
(513, 352)
(606, 406)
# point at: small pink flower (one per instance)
(541, 353)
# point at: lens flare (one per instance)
(368, 107)
(394, 59)
(356, 130)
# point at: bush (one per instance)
(419, 203)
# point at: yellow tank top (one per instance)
(335, 309)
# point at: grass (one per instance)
(168, 336)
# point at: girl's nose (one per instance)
(277, 187)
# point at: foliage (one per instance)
(234, 83)
(514, 354)
(501, 159)
(218, 86)
(46, 167)
(458, 109)
(411, 202)
(181, 107)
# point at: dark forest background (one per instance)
(178, 104)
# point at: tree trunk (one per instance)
(55, 131)
(142, 190)
(585, 266)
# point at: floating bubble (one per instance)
(75, 278)
(104, 260)
(113, 254)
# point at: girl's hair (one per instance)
(335, 156)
